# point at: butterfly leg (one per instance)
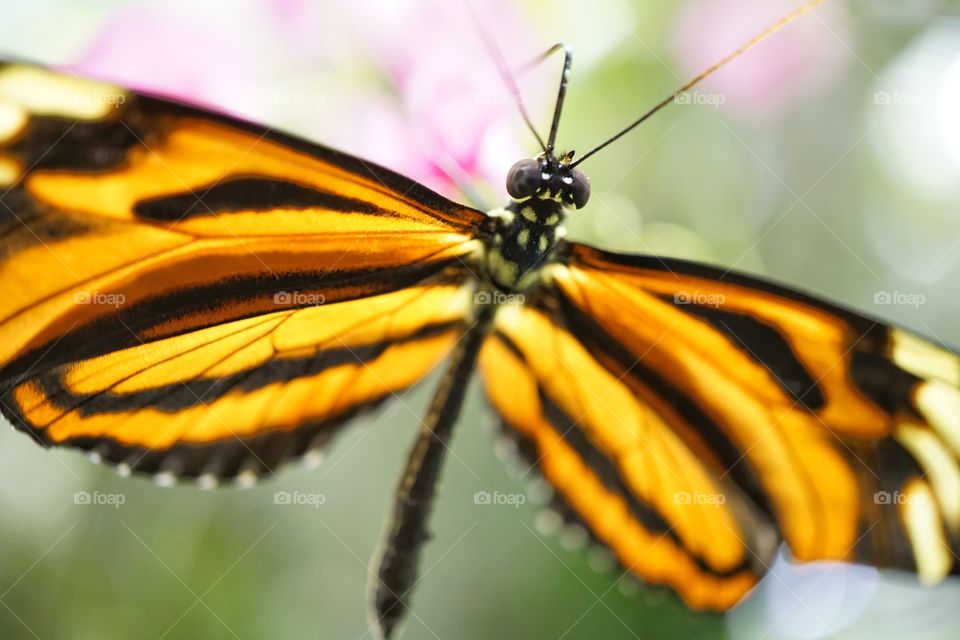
(398, 568)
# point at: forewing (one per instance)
(142, 242)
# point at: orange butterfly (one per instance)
(187, 295)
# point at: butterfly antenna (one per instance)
(491, 45)
(561, 93)
(796, 13)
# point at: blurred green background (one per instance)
(828, 158)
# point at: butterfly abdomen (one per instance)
(526, 234)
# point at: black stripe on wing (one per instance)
(765, 346)
(247, 194)
(236, 458)
(123, 327)
(710, 439)
(177, 396)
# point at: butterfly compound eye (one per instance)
(523, 179)
(579, 189)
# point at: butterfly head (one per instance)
(549, 178)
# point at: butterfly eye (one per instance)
(524, 179)
(579, 189)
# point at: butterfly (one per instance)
(188, 295)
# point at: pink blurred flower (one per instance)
(448, 107)
(153, 50)
(305, 25)
(801, 60)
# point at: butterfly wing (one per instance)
(691, 418)
(173, 280)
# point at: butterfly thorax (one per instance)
(541, 190)
(526, 232)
